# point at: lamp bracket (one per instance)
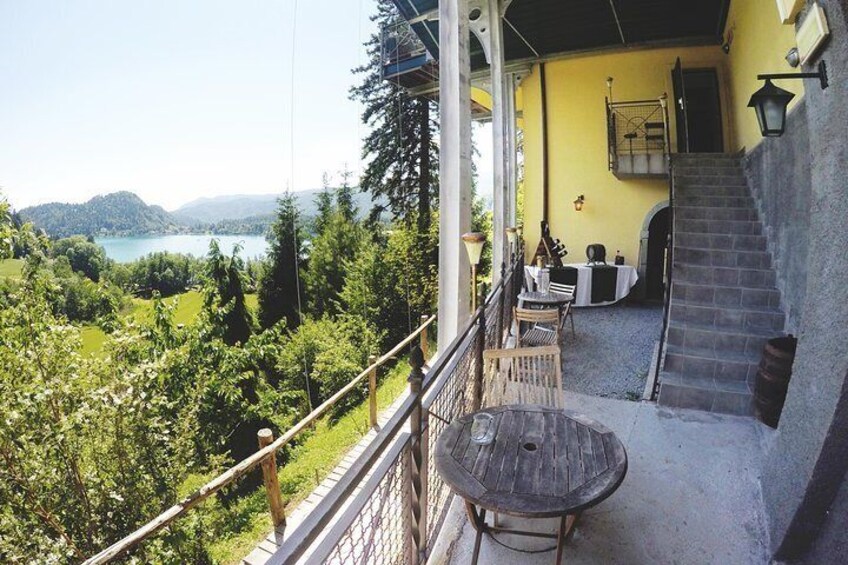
(821, 75)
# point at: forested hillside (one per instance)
(119, 213)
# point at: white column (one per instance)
(500, 202)
(511, 151)
(454, 168)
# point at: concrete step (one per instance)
(709, 394)
(685, 212)
(710, 295)
(681, 180)
(722, 258)
(705, 160)
(714, 201)
(739, 242)
(728, 317)
(748, 341)
(724, 277)
(686, 190)
(699, 169)
(703, 362)
(719, 227)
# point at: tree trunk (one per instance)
(424, 175)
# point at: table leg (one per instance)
(478, 521)
(566, 530)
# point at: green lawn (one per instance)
(11, 268)
(311, 461)
(187, 310)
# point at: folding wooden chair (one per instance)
(538, 335)
(567, 312)
(529, 375)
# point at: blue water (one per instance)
(126, 249)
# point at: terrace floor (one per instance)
(691, 495)
(611, 352)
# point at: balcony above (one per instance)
(637, 133)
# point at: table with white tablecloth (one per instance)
(626, 278)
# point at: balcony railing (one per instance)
(399, 502)
(637, 134)
(400, 44)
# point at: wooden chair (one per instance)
(536, 335)
(567, 312)
(530, 375)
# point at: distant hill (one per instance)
(236, 207)
(119, 213)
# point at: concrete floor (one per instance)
(691, 496)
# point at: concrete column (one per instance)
(454, 168)
(806, 468)
(500, 195)
(511, 151)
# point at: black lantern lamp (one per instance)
(770, 102)
(578, 204)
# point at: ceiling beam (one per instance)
(617, 21)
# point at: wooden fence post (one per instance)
(418, 451)
(372, 392)
(425, 342)
(269, 475)
(477, 400)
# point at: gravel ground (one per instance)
(611, 354)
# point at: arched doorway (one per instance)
(655, 257)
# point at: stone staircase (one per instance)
(724, 303)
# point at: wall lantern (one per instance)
(578, 204)
(770, 102)
(474, 242)
(512, 238)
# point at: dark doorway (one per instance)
(657, 243)
(703, 111)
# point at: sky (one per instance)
(179, 99)
(176, 100)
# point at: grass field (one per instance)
(188, 307)
(11, 268)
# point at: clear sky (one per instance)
(179, 99)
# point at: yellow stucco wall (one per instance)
(760, 43)
(577, 146)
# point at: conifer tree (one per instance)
(279, 285)
(399, 147)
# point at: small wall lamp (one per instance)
(474, 242)
(578, 204)
(512, 238)
(770, 102)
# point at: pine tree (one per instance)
(225, 275)
(279, 285)
(400, 150)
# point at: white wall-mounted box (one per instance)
(789, 10)
(812, 33)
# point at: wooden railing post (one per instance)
(269, 475)
(477, 400)
(418, 459)
(501, 305)
(372, 391)
(425, 341)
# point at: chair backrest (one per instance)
(563, 288)
(546, 316)
(530, 375)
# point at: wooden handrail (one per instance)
(245, 465)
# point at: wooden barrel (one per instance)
(773, 377)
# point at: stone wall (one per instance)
(806, 469)
(778, 171)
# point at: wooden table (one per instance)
(545, 298)
(543, 463)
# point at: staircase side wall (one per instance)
(778, 173)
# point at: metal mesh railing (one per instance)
(378, 530)
(637, 135)
(400, 43)
(453, 400)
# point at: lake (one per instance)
(126, 249)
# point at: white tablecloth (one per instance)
(627, 277)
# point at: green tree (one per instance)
(331, 250)
(279, 285)
(226, 278)
(85, 256)
(400, 149)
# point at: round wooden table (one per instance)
(542, 463)
(545, 298)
